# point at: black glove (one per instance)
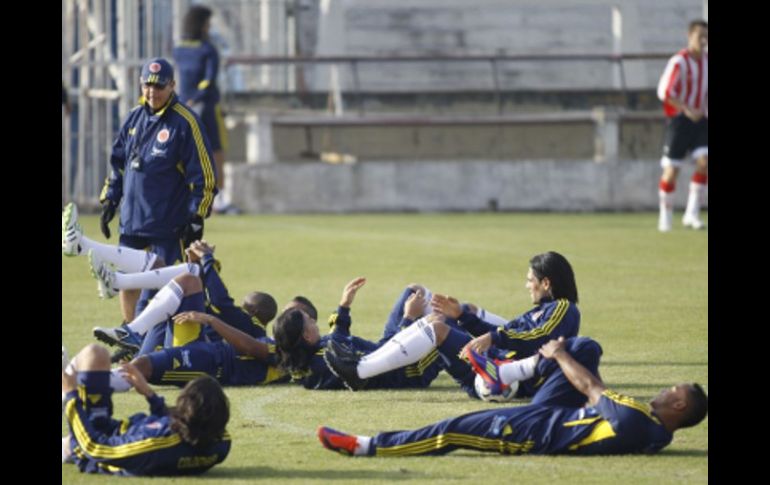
(192, 231)
(108, 213)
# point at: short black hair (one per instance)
(697, 406)
(194, 20)
(307, 305)
(557, 269)
(697, 23)
(260, 305)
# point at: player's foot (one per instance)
(337, 441)
(121, 336)
(70, 231)
(488, 369)
(105, 276)
(693, 221)
(343, 363)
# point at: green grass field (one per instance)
(643, 296)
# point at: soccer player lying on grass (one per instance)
(301, 345)
(187, 439)
(554, 423)
(143, 334)
(235, 358)
(552, 287)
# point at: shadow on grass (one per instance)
(640, 385)
(680, 453)
(606, 363)
(320, 475)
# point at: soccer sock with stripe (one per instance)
(406, 347)
(154, 278)
(118, 383)
(125, 259)
(163, 305)
(518, 370)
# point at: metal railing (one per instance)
(494, 61)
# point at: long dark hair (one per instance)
(557, 269)
(294, 352)
(201, 412)
(194, 20)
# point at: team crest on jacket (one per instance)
(163, 135)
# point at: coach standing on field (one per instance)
(161, 171)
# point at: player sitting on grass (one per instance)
(554, 423)
(552, 287)
(301, 345)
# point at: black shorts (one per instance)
(683, 135)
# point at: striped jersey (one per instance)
(687, 80)
(142, 445)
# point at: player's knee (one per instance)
(441, 330)
(93, 357)
(586, 349)
(189, 283)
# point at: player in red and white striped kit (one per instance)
(683, 88)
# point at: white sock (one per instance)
(519, 370)
(427, 296)
(70, 369)
(154, 278)
(118, 383)
(164, 304)
(404, 348)
(362, 445)
(694, 199)
(490, 317)
(66, 451)
(125, 259)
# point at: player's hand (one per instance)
(191, 316)
(136, 379)
(350, 290)
(694, 114)
(414, 305)
(551, 348)
(192, 231)
(447, 305)
(479, 345)
(108, 213)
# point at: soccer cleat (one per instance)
(71, 231)
(488, 369)
(121, 336)
(105, 276)
(122, 355)
(343, 363)
(693, 222)
(337, 441)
